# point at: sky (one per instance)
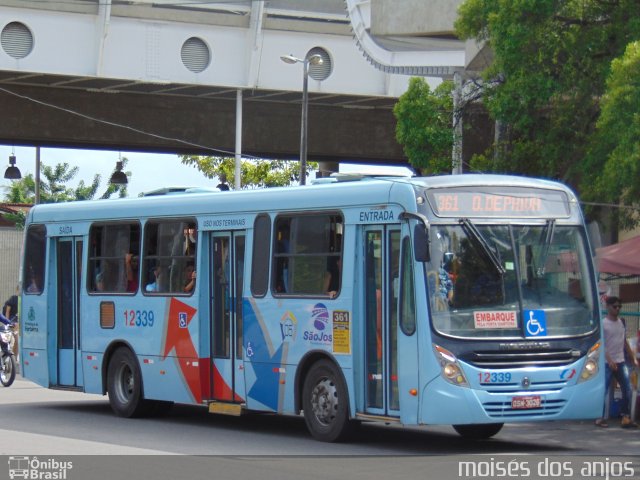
(150, 171)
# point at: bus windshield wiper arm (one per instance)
(549, 230)
(479, 238)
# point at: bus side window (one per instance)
(169, 257)
(407, 290)
(261, 255)
(283, 248)
(110, 247)
(34, 259)
(307, 255)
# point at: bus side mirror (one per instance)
(420, 235)
(421, 243)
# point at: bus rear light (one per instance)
(590, 368)
(413, 392)
(449, 367)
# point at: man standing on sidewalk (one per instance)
(616, 348)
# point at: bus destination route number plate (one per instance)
(526, 402)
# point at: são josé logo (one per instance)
(320, 334)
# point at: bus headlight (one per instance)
(590, 368)
(449, 367)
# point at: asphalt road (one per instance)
(187, 442)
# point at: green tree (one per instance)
(54, 189)
(424, 125)
(254, 173)
(550, 64)
(614, 157)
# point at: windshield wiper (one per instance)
(470, 228)
(548, 232)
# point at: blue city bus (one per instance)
(466, 300)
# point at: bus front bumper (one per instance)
(445, 404)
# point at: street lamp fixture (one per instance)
(313, 60)
(12, 172)
(118, 177)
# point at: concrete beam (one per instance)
(416, 17)
(204, 126)
(478, 56)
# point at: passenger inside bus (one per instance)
(100, 282)
(190, 241)
(132, 263)
(189, 278)
(442, 284)
(156, 280)
(34, 282)
(332, 276)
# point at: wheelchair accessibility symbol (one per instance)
(535, 323)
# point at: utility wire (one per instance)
(126, 127)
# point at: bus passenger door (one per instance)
(227, 268)
(68, 274)
(382, 256)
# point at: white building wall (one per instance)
(71, 53)
(146, 50)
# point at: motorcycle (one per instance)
(7, 360)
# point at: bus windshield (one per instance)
(485, 280)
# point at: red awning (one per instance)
(623, 257)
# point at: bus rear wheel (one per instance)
(124, 384)
(325, 402)
(480, 431)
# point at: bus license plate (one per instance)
(523, 403)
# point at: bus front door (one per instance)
(381, 270)
(227, 268)
(68, 274)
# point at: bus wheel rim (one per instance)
(126, 384)
(324, 401)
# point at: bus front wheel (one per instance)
(325, 402)
(125, 384)
(479, 431)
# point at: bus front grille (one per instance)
(546, 358)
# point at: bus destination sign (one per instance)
(499, 202)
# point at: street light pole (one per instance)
(304, 122)
(37, 200)
(313, 60)
(456, 161)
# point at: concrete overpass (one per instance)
(206, 76)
